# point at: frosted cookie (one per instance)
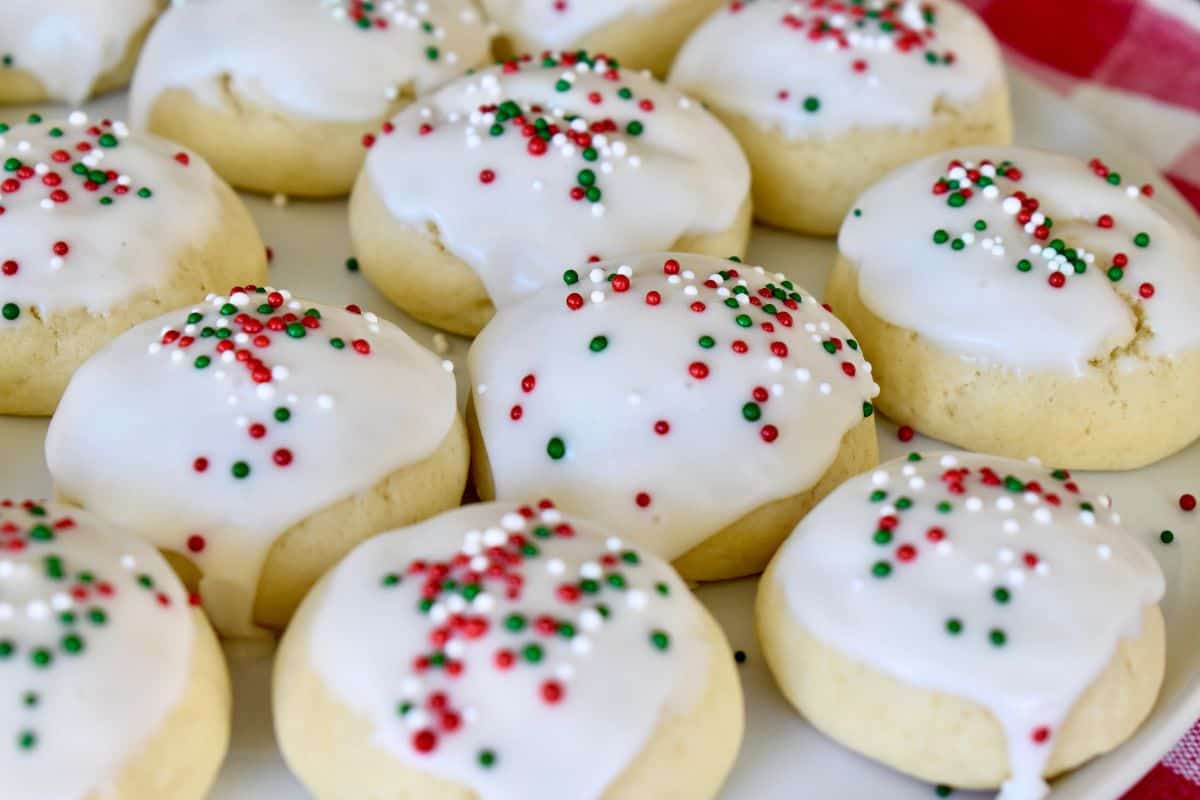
(506, 652)
(258, 438)
(697, 405)
(971, 620)
(280, 95)
(69, 50)
(1026, 304)
(826, 97)
(101, 229)
(111, 684)
(481, 193)
(640, 34)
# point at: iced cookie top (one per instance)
(77, 196)
(539, 163)
(527, 654)
(222, 425)
(977, 576)
(96, 640)
(631, 374)
(331, 60)
(561, 23)
(1027, 259)
(822, 68)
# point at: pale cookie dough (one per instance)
(482, 193)
(640, 34)
(281, 95)
(971, 620)
(69, 50)
(1027, 304)
(698, 405)
(101, 229)
(506, 652)
(825, 100)
(112, 687)
(258, 438)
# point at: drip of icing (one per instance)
(808, 70)
(322, 60)
(95, 651)
(199, 440)
(67, 45)
(1038, 286)
(75, 195)
(561, 23)
(947, 581)
(617, 391)
(551, 611)
(536, 164)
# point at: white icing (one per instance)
(759, 59)
(712, 465)
(92, 707)
(616, 684)
(143, 409)
(684, 174)
(1077, 584)
(96, 272)
(975, 302)
(308, 58)
(561, 23)
(68, 44)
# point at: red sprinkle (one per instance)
(905, 434)
(1187, 502)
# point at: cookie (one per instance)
(279, 95)
(480, 194)
(258, 438)
(1027, 304)
(506, 651)
(827, 98)
(114, 686)
(698, 405)
(101, 229)
(69, 50)
(639, 34)
(970, 620)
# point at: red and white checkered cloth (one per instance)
(1134, 65)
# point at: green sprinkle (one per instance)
(752, 412)
(1166, 537)
(556, 448)
(1001, 595)
(997, 637)
(282, 414)
(881, 569)
(240, 469)
(72, 644)
(954, 626)
(570, 277)
(882, 536)
(660, 640)
(532, 653)
(1142, 239)
(10, 311)
(634, 128)
(296, 330)
(940, 236)
(868, 409)
(486, 758)
(879, 495)
(352, 264)
(812, 104)
(598, 344)
(707, 342)
(202, 361)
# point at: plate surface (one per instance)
(782, 757)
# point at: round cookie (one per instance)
(1026, 304)
(825, 98)
(481, 193)
(101, 229)
(971, 620)
(526, 655)
(257, 439)
(69, 50)
(640, 34)
(114, 687)
(281, 95)
(697, 405)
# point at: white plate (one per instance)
(781, 757)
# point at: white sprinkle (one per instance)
(636, 599)
(1087, 518)
(582, 645)
(613, 544)
(803, 375)
(983, 571)
(494, 537)
(324, 401)
(590, 619)
(879, 478)
(590, 569)
(1104, 551)
(1011, 527)
(917, 483)
(948, 461)
(555, 566)
(974, 504)
(1004, 503)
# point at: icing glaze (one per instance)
(816, 68)
(532, 165)
(69, 44)
(602, 390)
(939, 569)
(75, 196)
(223, 425)
(529, 696)
(1044, 267)
(562, 23)
(318, 59)
(96, 643)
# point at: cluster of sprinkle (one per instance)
(475, 598)
(83, 167)
(964, 181)
(381, 15)
(78, 608)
